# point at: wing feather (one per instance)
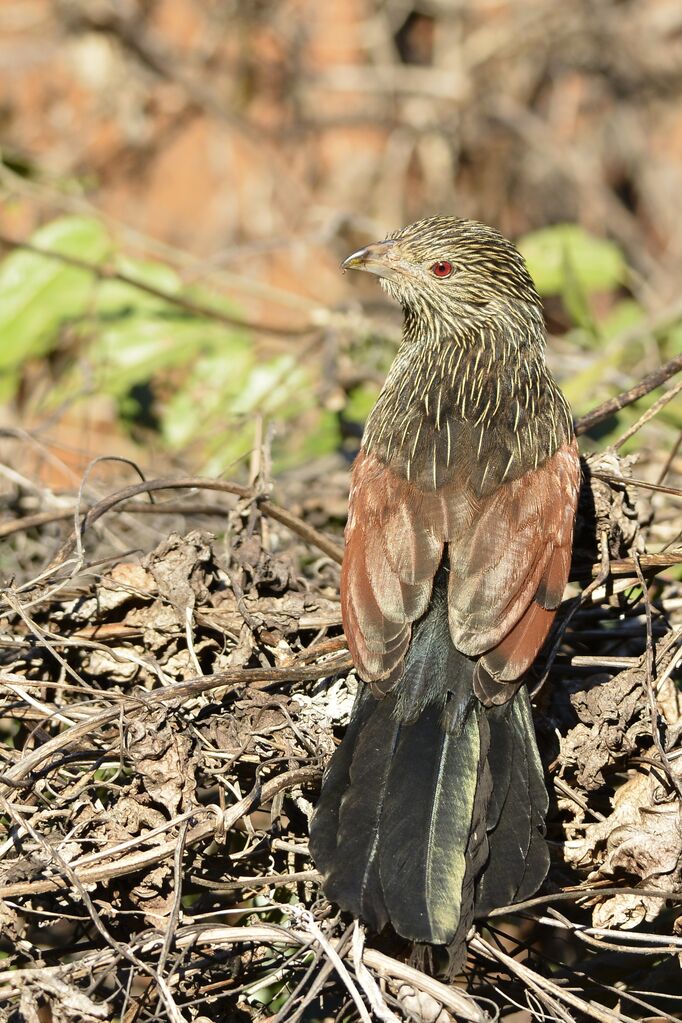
(393, 551)
(509, 555)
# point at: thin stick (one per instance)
(670, 459)
(106, 272)
(304, 918)
(612, 405)
(649, 684)
(544, 987)
(648, 415)
(269, 507)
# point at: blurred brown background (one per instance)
(251, 145)
(180, 180)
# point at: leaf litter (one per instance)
(168, 709)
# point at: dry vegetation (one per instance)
(173, 670)
(168, 717)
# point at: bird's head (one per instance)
(452, 271)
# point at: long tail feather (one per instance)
(519, 857)
(344, 831)
(432, 810)
(426, 825)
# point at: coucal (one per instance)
(458, 546)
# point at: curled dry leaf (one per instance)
(422, 1006)
(640, 842)
(47, 999)
(124, 583)
(163, 759)
(114, 665)
(127, 818)
(181, 567)
(613, 717)
(133, 576)
(155, 894)
(619, 511)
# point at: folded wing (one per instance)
(508, 556)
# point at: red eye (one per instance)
(442, 268)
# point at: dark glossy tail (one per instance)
(432, 809)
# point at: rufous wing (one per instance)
(508, 572)
(508, 556)
(394, 544)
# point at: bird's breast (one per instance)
(434, 427)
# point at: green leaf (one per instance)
(272, 385)
(597, 264)
(576, 302)
(623, 317)
(204, 405)
(319, 435)
(115, 296)
(10, 381)
(360, 402)
(38, 294)
(202, 378)
(137, 347)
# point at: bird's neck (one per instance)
(478, 404)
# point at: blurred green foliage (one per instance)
(198, 383)
(568, 263)
(190, 377)
(566, 256)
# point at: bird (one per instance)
(457, 551)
